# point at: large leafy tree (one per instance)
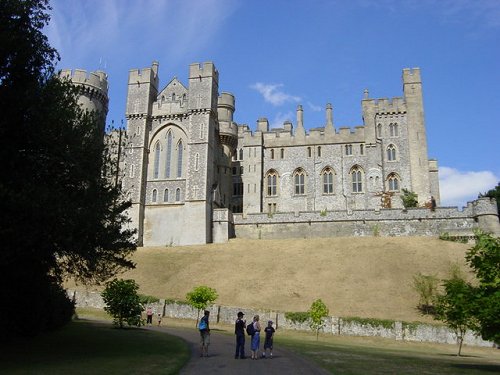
(484, 259)
(60, 215)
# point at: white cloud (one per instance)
(314, 107)
(459, 187)
(272, 93)
(280, 118)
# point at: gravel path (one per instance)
(221, 357)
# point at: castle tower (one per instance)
(417, 139)
(93, 89)
(202, 185)
(142, 91)
(228, 137)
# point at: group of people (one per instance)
(149, 317)
(253, 329)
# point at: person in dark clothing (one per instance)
(433, 203)
(239, 331)
(268, 343)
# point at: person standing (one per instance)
(239, 331)
(268, 342)
(255, 337)
(149, 315)
(204, 329)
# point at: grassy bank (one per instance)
(91, 347)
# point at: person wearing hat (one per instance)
(239, 331)
(268, 342)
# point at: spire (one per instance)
(300, 121)
(329, 115)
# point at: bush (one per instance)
(426, 287)
(122, 302)
(297, 317)
(409, 198)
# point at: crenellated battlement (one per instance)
(200, 70)
(144, 75)
(97, 80)
(411, 75)
(385, 105)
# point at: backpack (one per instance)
(250, 329)
(202, 324)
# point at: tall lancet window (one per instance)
(179, 159)
(157, 160)
(169, 155)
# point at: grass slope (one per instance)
(366, 277)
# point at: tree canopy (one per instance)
(61, 216)
(123, 302)
(317, 312)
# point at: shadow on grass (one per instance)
(478, 367)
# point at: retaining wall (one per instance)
(335, 325)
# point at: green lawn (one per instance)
(351, 358)
(86, 347)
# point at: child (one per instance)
(159, 319)
(268, 343)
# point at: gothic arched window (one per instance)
(272, 182)
(169, 154)
(299, 181)
(357, 179)
(327, 180)
(179, 158)
(177, 195)
(272, 154)
(165, 195)
(154, 195)
(393, 182)
(241, 154)
(156, 166)
(391, 152)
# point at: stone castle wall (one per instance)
(334, 325)
(480, 214)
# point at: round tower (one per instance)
(228, 131)
(93, 88)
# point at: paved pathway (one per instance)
(221, 357)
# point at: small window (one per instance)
(154, 196)
(241, 154)
(272, 154)
(348, 149)
(361, 149)
(234, 171)
(197, 162)
(241, 169)
(319, 151)
(309, 153)
(393, 130)
(379, 130)
(282, 151)
(165, 195)
(178, 195)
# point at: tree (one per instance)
(60, 216)
(493, 193)
(409, 198)
(317, 312)
(200, 297)
(456, 308)
(484, 259)
(122, 302)
(426, 287)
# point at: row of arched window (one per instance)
(393, 130)
(166, 196)
(299, 181)
(171, 158)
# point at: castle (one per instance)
(195, 176)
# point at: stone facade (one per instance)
(195, 176)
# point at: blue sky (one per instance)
(274, 55)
